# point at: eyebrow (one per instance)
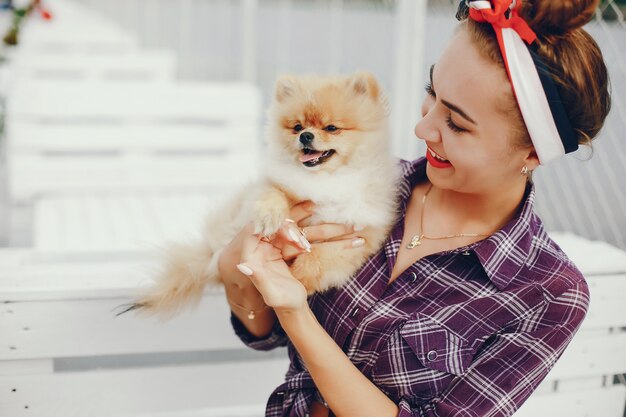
(449, 105)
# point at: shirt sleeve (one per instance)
(510, 366)
(274, 339)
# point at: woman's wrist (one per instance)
(295, 319)
(248, 306)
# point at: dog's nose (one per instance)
(306, 138)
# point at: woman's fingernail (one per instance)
(358, 242)
(289, 221)
(245, 269)
(358, 228)
(293, 235)
(305, 244)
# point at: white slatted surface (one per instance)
(99, 159)
(109, 393)
(68, 136)
(117, 222)
(140, 65)
(257, 410)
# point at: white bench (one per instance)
(66, 355)
(140, 65)
(69, 143)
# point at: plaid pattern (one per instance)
(466, 332)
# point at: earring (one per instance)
(525, 170)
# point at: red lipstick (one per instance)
(436, 163)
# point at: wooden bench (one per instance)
(69, 143)
(65, 353)
(140, 65)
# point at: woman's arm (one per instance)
(344, 388)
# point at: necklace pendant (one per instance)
(415, 241)
(251, 315)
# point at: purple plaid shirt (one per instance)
(465, 332)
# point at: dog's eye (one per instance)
(298, 127)
(330, 128)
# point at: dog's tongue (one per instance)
(311, 156)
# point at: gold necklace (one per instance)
(416, 240)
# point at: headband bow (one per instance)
(495, 12)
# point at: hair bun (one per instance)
(556, 17)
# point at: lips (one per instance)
(436, 160)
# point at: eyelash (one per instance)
(454, 127)
(429, 90)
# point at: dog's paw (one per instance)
(306, 268)
(267, 223)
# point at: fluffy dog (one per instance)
(327, 141)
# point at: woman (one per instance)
(470, 303)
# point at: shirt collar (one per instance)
(504, 253)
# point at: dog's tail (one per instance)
(180, 283)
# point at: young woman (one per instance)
(470, 303)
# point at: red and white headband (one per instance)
(539, 102)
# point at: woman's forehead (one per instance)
(464, 76)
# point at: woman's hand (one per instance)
(264, 265)
(269, 259)
(266, 261)
(288, 239)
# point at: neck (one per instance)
(480, 212)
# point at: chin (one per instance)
(328, 142)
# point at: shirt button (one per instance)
(466, 253)
(355, 312)
(413, 277)
(432, 355)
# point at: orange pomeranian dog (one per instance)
(328, 142)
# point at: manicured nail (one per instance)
(358, 228)
(293, 235)
(245, 269)
(358, 242)
(305, 244)
(289, 221)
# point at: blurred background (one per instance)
(124, 121)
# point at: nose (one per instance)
(306, 138)
(427, 130)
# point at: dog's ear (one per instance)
(364, 83)
(285, 87)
